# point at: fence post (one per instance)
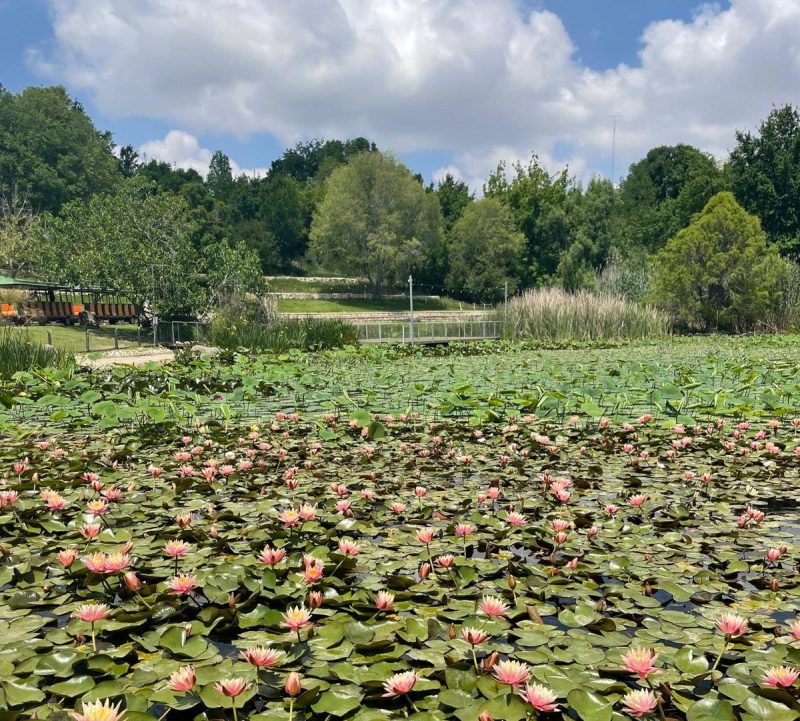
(49, 337)
(403, 326)
(380, 334)
(87, 340)
(116, 338)
(138, 335)
(172, 330)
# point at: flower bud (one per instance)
(489, 662)
(294, 684)
(485, 716)
(512, 582)
(452, 631)
(132, 582)
(314, 599)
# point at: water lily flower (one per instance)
(182, 585)
(420, 492)
(464, 530)
(90, 530)
(445, 561)
(272, 556)
(67, 557)
(116, 562)
(400, 684)
(639, 703)
(425, 535)
(313, 574)
(231, 687)
(307, 512)
(493, 607)
(294, 684)
(514, 518)
(99, 711)
(780, 676)
(131, 581)
(262, 657)
(295, 618)
(384, 601)
(91, 613)
(540, 697)
(398, 507)
(96, 563)
(611, 509)
(638, 500)
(314, 599)
(560, 524)
(473, 636)
(289, 518)
(182, 680)
(176, 549)
(732, 625)
(349, 548)
(640, 661)
(794, 629)
(513, 673)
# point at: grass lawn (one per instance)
(73, 338)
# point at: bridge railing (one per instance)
(429, 331)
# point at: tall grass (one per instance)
(553, 314)
(19, 352)
(282, 335)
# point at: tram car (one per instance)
(26, 302)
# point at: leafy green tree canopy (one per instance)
(486, 251)
(51, 151)
(663, 191)
(537, 200)
(375, 220)
(719, 273)
(765, 176)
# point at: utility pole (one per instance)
(614, 148)
(411, 306)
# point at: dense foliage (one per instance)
(19, 352)
(371, 216)
(615, 553)
(719, 273)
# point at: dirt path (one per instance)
(136, 357)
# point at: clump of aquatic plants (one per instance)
(373, 567)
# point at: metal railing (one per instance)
(427, 332)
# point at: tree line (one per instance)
(101, 215)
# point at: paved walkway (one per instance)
(133, 356)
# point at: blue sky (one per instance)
(440, 96)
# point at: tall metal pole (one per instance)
(411, 306)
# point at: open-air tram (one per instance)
(28, 302)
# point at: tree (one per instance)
(765, 176)
(537, 201)
(17, 248)
(594, 227)
(220, 176)
(136, 242)
(454, 197)
(128, 161)
(663, 191)
(305, 161)
(50, 150)
(719, 273)
(375, 220)
(486, 251)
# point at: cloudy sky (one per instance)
(447, 84)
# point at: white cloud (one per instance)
(479, 80)
(183, 150)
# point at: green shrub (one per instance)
(553, 314)
(719, 273)
(18, 352)
(233, 332)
